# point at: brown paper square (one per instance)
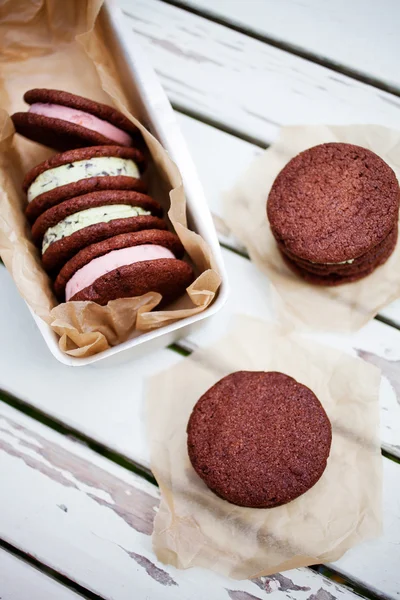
(300, 304)
(44, 44)
(194, 527)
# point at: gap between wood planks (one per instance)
(182, 348)
(291, 49)
(327, 571)
(286, 47)
(49, 572)
(353, 585)
(198, 116)
(244, 254)
(331, 574)
(77, 436)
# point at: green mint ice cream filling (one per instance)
(90, 216)
(100, 166)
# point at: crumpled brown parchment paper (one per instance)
(300, 304)
(65, 45)
(194, 527)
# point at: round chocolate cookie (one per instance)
(57, 213)
(126, 240)
(333, 203)
(259, 439)
(169, 277)
(62, 121)
(90, 176)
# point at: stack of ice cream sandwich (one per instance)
(101, 237)
(334, 212)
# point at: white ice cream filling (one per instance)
(90, 216)
(344, 262)
(100, 166)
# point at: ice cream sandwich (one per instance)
(81, 171)
(126, 265)
(64, 229)
(334, 212)
(62, 121)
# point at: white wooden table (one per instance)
(77, 500)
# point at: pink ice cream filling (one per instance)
(108, 262)
(79, 117)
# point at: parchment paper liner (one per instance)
(194, 527)
(65, 46)
(299, 304)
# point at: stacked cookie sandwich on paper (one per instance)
(333, 210)
(101, 237)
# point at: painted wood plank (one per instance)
(372, 346)
(220, 159)
(20, 581)
(372, 580)
(366, 563)
(210, 147)
(111, 410)
(104, 403)
(208, 144)
(246, 84)
(107, 403)
(102, 414)
(92, 520)
(358, 35)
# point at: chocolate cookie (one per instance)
(57, 213)
(62, 121)
(333, 203)
(332, 278)
(169, 277)
(354, 267)
(80, 171)
(259, 439)
(86, 255)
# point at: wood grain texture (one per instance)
(102, 402)
(111, 410)
(376, 342)
(245, 84)
(365, 563)
(357, 35)
(220, 159)
(20, 581)
(91, 520)
(107, 403)
(81, 514)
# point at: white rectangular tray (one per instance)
(155, 112)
